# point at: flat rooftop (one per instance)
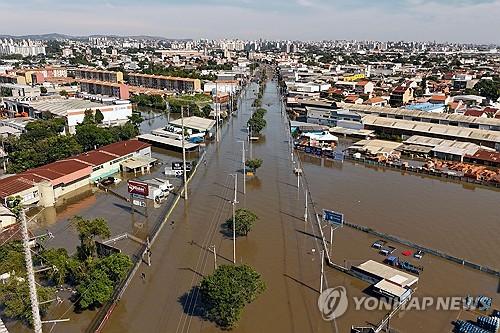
(388, 273)
(61, 106)
(436, 129)
(166, 141)
(196, 123)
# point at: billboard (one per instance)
(139, 188)
(104, 250)
(179, 166)
(333, 217)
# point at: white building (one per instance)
(25, 47)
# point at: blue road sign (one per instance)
(333, 217)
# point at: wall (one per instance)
(62, 190)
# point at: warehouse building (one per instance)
(387, 281)
(73, 110)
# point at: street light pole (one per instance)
(234, 214)
(184, 154)
(322, 267)
(244, 165)
(250, 141)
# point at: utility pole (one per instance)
(322, 264)
(215, 257)
(216, 113)
(250, 141)
(234, 214)
(184, 154)
(305, 212)
(331, 239)
(243, 160)
(37, 322)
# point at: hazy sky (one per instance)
(442, 20)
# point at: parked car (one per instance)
(379, 244)
(387, 250)
(108, 181)
(419, 254)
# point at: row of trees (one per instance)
(152, 101)
(44, 140)
(93, 278)
(226, 292)
(257, 122)
(157, 69)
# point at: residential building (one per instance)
(96, 75)
(401, 95)
(118, 90)
(364, 87)
(169, 83)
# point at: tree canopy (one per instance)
(253, 164)
(226, 292)
(244, 221)
(88, 231)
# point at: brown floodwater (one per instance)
(447, 216)
(284, 249)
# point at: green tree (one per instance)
(225, 293)
(244, 221)
(95, 289)
(257, 124)
(136, 119)
(98, 117)
(488, 88)
(88, 230)
(63, 93)
(14, 298)
(58, 259)
(90, 136)
(12, 258)
(115, 266)
(253, 164)
(207, 109)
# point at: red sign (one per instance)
(139, 188)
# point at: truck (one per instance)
(159, 189)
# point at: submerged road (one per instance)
(280, 247)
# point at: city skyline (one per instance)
(420, 20)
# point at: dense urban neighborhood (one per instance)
(150, 184)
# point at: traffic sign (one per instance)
(333, 217)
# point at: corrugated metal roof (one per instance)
(465, 133)
(419, 114)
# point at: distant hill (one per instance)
(58, 36)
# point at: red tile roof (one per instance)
(123, 148)
(440, 98)
(17, 183)
(94, 157)
(24, 181)
(374, 100)
(474, 113)
(352, 98)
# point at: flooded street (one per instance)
(451, 217)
